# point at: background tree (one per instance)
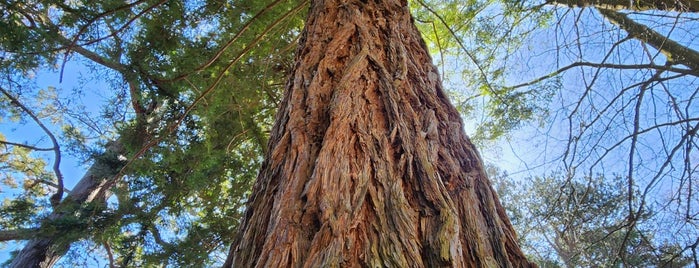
(624, 106)
(580, 225)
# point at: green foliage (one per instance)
(17, 212)
(508, 109)
(195, 125)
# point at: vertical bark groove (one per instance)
(368, 163)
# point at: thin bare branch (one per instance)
(30, 147)
(607, 66)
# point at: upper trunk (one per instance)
(46, 250)
(368, 163)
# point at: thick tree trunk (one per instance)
(45, 251)
(368, 163)
(638, 5)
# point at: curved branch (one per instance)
(56, 198)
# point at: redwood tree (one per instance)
(368, 162)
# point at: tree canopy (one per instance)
(133, 130)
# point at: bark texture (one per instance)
(45, 251)
(368, 164)
(638, 5)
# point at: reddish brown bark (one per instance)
(368, 164)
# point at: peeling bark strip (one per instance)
(368, 163)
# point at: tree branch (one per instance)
(110, 255)
(608, 66)
(33, 148)
(639, 5)
(675, 52)
(172, 127)
(56, 198)
(230, 42)
(16, 234)
(468, 53)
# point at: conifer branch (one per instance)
(16, 234)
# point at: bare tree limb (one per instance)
(33, 148)
(638, 5)
(675, 52)
(608, 66)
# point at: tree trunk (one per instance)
(45, 251)
(668, 5)
(368, 164)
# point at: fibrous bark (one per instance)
(368, 164)
(46, 250)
